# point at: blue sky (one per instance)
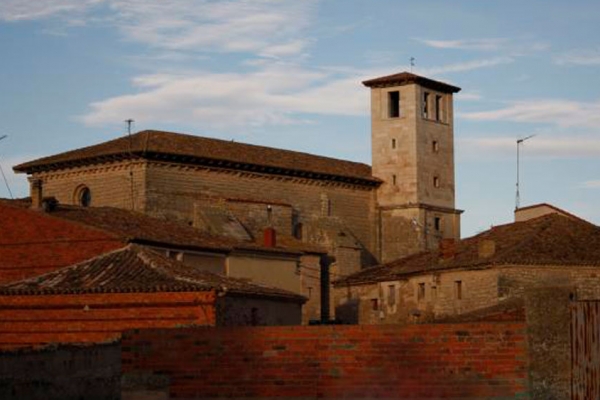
(287, 74)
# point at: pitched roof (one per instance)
(137, 269)
(190, 149)
(407, 78)
(31, 243)
(551, 239)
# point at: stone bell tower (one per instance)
(413, 154)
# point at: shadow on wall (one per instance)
(348, 312)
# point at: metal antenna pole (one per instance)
(518, 196)
(412, 63)
(4, 176)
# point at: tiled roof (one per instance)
(183, 148)
(552, 239)
(137, 269)
(31, 243)
(406, 78)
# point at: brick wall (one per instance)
(62, 373)
(95, 318)
(419, 361)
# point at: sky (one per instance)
(288, 74)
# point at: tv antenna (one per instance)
(4, 176)
(519, 143)
(129, 122)
(412, 63)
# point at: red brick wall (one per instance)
(33, 243)
(40, 320)
(430, 361)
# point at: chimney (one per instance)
(270, 237)
(487, 248)
(447, 249)
(36, 192)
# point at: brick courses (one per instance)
(477, 361)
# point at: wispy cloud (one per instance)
(564, 113)
(579, 57)
(591, 184)
(19, 10)
(466, 66)
(563, 147)
(466, 44)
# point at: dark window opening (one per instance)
(393, 143)
(425, 105)
(435, 146)
(84, 197)
(391, 295)
(438, 108)
(374, 304)
(394, 180)
(298, 228)
(421, 291)
(458, 290)
(437, 223)
(436, 181)
(393, 104)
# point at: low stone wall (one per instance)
(475, 361)
(62, 373)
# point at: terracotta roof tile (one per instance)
(184, 148)
(552, 239)
(137, 269)
(406, 78)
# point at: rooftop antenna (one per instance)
(412, 64)
(4, 176)
(519, 143)
(129, 122)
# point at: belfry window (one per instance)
(436, 181)
(438, 108)
(393, 104)
(435, 146)
(425, 105)
(393, 143)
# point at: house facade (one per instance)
(483, 272)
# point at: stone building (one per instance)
(363, 215)
(489, 271)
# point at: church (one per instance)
(362, 215)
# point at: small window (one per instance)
(421, 291)
(438, 108)
(394, 180)
(83, 196)
(298, 229)
(393, 143)
(391, 295)
(436, 181)
(458, 294)
(374, 304)
(425, 105)
(393, 104)
(437, 224)
(435, 146)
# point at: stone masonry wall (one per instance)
(110, 184)
(172, 191)
(431, 296)
(467, 361)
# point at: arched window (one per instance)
(83, 196)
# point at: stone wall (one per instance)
(431, 296)
(115, 184)
(474, 361)
(62, 373)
